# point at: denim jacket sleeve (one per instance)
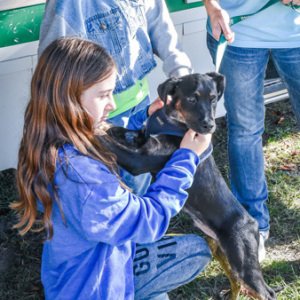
(54, 26)
(164, 39)
(115, 216)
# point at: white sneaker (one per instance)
(261, 248)
(263, 236)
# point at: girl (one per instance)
(93, 222)
(132, 31)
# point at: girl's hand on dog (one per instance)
(156, 105)
(195, 141)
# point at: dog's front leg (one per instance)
(235, 285)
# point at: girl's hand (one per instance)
(295, 2)
(156, 105)
(219, 20)
(195, 141)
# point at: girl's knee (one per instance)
(199, 255)
(198, 249)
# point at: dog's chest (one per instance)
(160, 123)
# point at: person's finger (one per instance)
(216, 31)
(221, 24)
(227, 32)
(156, 104)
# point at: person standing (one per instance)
(273, 33)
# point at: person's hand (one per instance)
(195, 141)
(219, 20)
(295, 2)
(156, 105)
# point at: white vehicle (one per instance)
(19, 30)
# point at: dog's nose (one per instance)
(209, 125)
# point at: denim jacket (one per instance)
(132, 31)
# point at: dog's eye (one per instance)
(191, 99)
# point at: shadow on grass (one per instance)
(203, 287)
(282, 271)
(207, 286)
(20, 257)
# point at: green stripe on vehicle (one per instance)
(177, 5)
(21, 25)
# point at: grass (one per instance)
(20, 257)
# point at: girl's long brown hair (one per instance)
(54, 117)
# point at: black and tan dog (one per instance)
(232, 233)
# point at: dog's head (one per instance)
(194, 99)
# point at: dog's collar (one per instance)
(159, 123)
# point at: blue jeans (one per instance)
(139, 184)
(245, 69)
(172, 261)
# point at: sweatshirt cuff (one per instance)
(137, 120)
(206, 153)
(187, 154)
(185, 158)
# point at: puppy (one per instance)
(232, 233)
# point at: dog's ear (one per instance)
(220, 82)
(167, 88)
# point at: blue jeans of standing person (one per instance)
(245, 69)
(172, 261)
(139, 184)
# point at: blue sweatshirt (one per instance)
(92, 257)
